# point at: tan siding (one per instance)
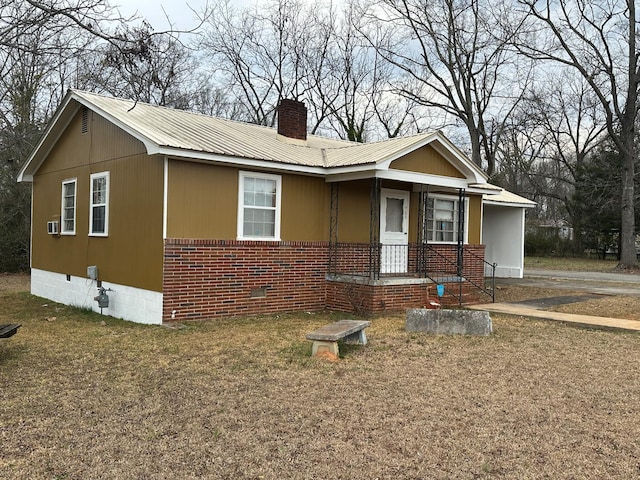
(134, 248)
(66, 253)
(71, 150)
(414, 201)
(426, 160)
(112, 141)
(354, 211)
(202, 201)
(305, 209)
(132, 253)
(475, 219)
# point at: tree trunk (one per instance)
(476, 155)
(628, 258)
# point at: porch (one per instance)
(418, 239)
(372, 278)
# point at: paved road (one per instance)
(596, 282)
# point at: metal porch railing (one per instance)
(441, 264)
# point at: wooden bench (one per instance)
(325, 339)
(8, 329)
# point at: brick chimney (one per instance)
(292, 119)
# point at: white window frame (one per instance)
(455, 199)
(105, 204)
(243, 175)
(63, 208)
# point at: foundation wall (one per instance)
(207, 279)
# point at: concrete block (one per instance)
(320, 346)
(449, 322)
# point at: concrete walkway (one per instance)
(582, 320)
(602, 283)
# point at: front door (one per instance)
(394, 231)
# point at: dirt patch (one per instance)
(617, 306)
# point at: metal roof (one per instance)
(193, 132)
(508, 199)
(183, 134)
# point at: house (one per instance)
(152, 214)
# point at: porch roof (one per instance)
(508, 199)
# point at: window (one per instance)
(394, 215)
(442, 219)
(259, 206)
(99, 207)
(68, 208)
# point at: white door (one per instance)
(394, 231)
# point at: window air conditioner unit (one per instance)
(52, 228)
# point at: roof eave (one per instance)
(59, 123)
(498, 203)
(182, 154)
(48, 139)
(445, 148)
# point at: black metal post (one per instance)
(333, 230)
(460, 253)
(374, 230)
(423, 230)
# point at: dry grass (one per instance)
(11, 283)
(85, 397)
(572, 264)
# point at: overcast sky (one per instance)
(178, 11)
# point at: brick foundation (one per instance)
(375, 299)
(205, 278)
(216, 278)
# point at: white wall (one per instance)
(503, 236)
(127, 303)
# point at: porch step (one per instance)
(470, 296)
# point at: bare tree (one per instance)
(151, 68)
(453, 55)
(20, 20)
(258, 53)
(29, 94)
(352, 80)
(311, 52)
(599, 41)
(43, 47)
(570, 115)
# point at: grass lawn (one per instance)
(572, 264)
(87, 397)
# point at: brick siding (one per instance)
(205, 278)
(215, 278)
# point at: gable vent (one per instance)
(85, 119)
